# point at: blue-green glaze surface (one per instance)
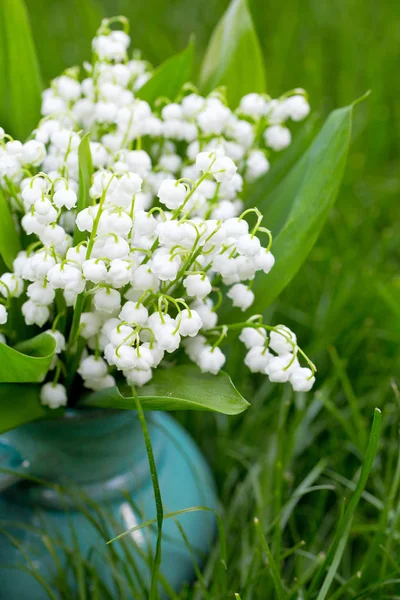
(102, 454)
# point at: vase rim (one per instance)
(72, 415)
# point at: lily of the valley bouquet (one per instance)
(128, 235)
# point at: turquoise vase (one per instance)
(100, 457)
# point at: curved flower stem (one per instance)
(255, 325)
(192, 191)
(175, 214)
(269, 234)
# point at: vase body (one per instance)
(99, 457)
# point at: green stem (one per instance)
(190, 194)
(80, 302)
(157, 496)
(256, 325)
(273, 570)
(278, 480)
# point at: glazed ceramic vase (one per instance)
(101, 457)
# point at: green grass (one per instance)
(323, 529)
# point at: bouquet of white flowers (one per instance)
(133, 228)
(144, 223)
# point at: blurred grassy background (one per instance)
(344, 303)
(335, 50)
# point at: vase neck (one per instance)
(86, 447)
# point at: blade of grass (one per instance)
(375, 587)
(220, 525)
(171, 515)
(157, 497)
(299, 491)
(250, 576)
(292, 550)
(306, 573)
(391, 559)
(148, 559)
(182, 450)
(81, 502)
(78, 565)
(130, 568)
(95, 587)
(53, 542)
(335, 412)
(31, 569)
(278, 480)
(199, 575)
(386, 294)
(280, 591)
(379, 538)
(345, 587)
(392, 529)
(51, 546)
(335, 553)
(351, 485)
(351, 397)
(101, 522)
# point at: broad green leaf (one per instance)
(233, 57)
(20, 82)
(169, 77)
(28, 362)
(9, 237)
(85, 179)
(20, 404)
(264, 193)
(310, 190)
(69, 27)
(178, 388)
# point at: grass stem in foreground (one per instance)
(157, 497)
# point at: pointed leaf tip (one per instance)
(309, 191)
(170, 76)
(233, 57)
(362, 98)
(29, 361)
(85, 180)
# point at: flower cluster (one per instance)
(141, 270)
